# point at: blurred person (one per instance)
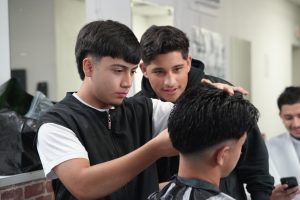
(284, 149)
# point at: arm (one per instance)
(90, 182)
(253, 167)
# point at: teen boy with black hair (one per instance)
(95, 143)
(208, 127)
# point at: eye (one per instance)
(158, 72)
(288, 118)
(133, 72)
(177, 69)
(118, 70)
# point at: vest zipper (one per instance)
(108, 120)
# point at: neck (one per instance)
(86, 94)
(295, 137)
(189, 168)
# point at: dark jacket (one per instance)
(252, 168)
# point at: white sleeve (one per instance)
(160, 116)
(57, 144)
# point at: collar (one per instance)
(196, 183)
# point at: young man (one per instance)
(168, 71)
(95, 143)
(209, 136)
(284, 149)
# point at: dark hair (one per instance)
(106, 38)
(163, 39)
(204, 116)
(290, 95)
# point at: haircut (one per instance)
(290, 95)
(204, 116)
(161, 40)
(106, 38)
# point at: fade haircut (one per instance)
(161, 40)
(204, 116)
(290, 95)
(106, 38)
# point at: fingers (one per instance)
(225, 87)
(241, 90)
(280, 192)
(206, 81)
(292, 192)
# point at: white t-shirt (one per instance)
(57, 144)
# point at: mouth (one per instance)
(122, 94)
(170, 91)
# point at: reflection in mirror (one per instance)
(145, 14)
(42, 40)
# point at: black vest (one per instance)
(131, 127)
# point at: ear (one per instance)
(222, 154)
(143, 69)
(87, 66)
(189, 62)
(280, 114)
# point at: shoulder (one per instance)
(277, 140)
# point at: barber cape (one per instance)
(283, 158)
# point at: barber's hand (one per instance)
(225, 87)
(164, 144)
(281, 193)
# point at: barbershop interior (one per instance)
(252, 44)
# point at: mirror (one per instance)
(42, 40)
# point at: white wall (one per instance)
(69, 18)
(112, 9)
(4, 41)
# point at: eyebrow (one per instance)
(179, 65)
(123, 66)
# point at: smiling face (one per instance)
(290, 115)
(107, 81)
(168, 75)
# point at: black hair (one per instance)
(204, 116)
(161, 40)
(290, 95)
(106, 38)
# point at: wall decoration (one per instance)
(209, 47)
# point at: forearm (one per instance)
(90, 182)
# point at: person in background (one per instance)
(284, 149)
(168, 70)
(209, 136)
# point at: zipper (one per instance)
(108, 120)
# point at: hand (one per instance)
(281, 193)
(164, 144)
(225, 87)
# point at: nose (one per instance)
(127, 80)
(170, 80)
(296, 122)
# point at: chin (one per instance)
(117, 103)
